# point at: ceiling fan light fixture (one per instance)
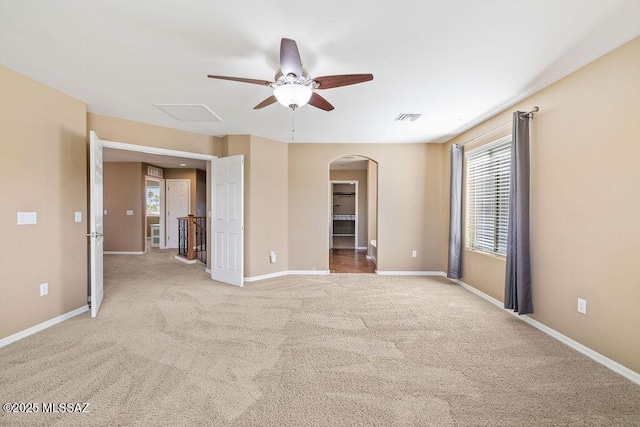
(293, 95)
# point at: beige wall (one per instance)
(123, 191)
(585, 233)
(121, 130)
(361, 177)
(43, 170)
(409, 204)
(268, 221)
(265, 199)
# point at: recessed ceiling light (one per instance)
(183, 164)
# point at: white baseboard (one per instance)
(410, 273)
(308, 272)
(266, 276)
(603, 360)
(122, 253)
(42, 326)
(186, 261)
(286, 273)
(207, 270)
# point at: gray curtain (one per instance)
(454, 269)
(517, 293)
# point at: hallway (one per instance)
(350, 261)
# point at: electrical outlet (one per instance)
(414, 253)
(272, 257)
(582, 306)
(44, 289)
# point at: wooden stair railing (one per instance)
(192, 238)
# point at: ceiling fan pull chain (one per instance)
(293, 122)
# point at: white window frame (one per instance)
(147, 201)
(487, 197)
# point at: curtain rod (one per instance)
(528, 115)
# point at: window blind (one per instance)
(487, 202)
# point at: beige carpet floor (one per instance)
(171, 347)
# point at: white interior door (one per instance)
(227, 261)
(96, 222)
(178, 205)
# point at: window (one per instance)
(488, 197)
(153, 201)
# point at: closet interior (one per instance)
(344, 217)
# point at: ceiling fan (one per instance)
(293, 87)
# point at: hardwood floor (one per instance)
(350, 261)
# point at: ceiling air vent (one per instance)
(407, 117)
(189, 112)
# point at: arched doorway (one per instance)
(353, 213)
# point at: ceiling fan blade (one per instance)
(243, 80)
(270, 100)
(319, 102)
(328, 82)
(290, 62)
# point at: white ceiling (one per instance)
(456, 62)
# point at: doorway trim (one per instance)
(370, 207)
(172, 153)
(161, 217)
(155, 150)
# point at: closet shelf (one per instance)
(344, 217)
(344, 235)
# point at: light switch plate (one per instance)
(129, 212)
(27, 218)
(44, 289)
(78, 216)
